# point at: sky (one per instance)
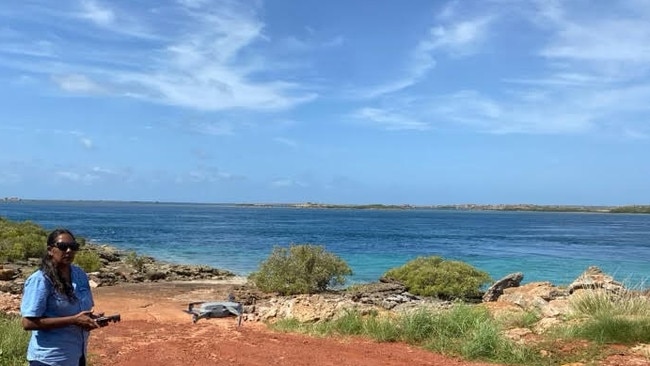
(345, 102)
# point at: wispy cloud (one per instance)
(212, 128)
(83, 178)
(100, 170)
(580, 69)
(76, 83)
(608, 45)
(591, 74)
(478, 112)
(117, 21)
(285, 141)
(334, 42)
(293, 43)
(549, 111)
(93, 175)
(455, 39)
(18, 46)
(203, 57)
(287, 182)
(207, 174)
(389, 120)
(96, 13)
(635, 134)
(460, 38)
(87, 143)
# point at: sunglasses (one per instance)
(63, 246)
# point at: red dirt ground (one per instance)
(155, 331)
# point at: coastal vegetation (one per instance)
(300, 269)
(631, 209)
(136, 261)
(473, 333)
(89, 261)
(604, 318)
(20, 241)
(466, 331)
(436, 277)
(13, 341)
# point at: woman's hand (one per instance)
(85, 320)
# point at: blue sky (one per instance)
(366, 101)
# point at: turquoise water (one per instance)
(553, 247)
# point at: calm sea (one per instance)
(553, 247)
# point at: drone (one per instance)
(215, 309)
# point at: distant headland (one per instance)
(471, 207)
(640, 209)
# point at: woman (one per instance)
(57, 306)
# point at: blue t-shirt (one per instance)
(60, 346)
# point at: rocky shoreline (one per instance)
(117, 266)
(505, 295)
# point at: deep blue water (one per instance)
(545, 246)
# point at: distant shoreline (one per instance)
(641, 209)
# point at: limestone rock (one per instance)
(496, 290)
(594, 278)
(8, 274)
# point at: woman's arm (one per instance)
(83, 320)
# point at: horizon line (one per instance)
(311, 203)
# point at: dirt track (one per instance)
(155, 331)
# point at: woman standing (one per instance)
(57, 306)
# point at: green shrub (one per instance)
(136, 261)
(21, 240)
(88, 260)
(434, 276)
(300, 269)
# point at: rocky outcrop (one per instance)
(375, 298)
(496, 290)
(116, 267)
(12, 278)
(550, 302)
(538, 297)
(306, 308)
(594, 278)
(8, 274)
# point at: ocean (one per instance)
(544, 246)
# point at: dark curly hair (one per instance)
(52, 272)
